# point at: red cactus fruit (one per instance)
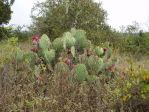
(35, 38)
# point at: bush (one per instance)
(5, 32)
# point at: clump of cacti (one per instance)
(71, 52)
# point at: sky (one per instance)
(120, 12)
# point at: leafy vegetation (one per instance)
(79, 64)
(5, 11)
(58, 16)
(57, 78)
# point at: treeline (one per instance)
(53, 17)
(19, 32)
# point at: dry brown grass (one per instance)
(22, 91)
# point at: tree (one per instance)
(5, 11)
(134, 28)
(57, 16)
(5, 16)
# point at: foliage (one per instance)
(131, 40)
(133, 89)
(58, 16)
(19, 32)
(5, 32)
(5, 11)
(58, 81)
(7, 50)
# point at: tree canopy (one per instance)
(57, 16)
(5, 11)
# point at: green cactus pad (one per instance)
(44, 42)
(68, 40)
(73, 51)
(81, 40)
(94, 64)
(99, 51)
(83, 59)
(81, 72)
(91, 78)
(57, 44)
(49, 55)
(61, 68)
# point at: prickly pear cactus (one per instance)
(92, 78)
(94, 65)
(73, 51)
(83, 59)
(81, 40)
(61, 68)
(81, 72)
(99, 51)
(68, 40)
(49, 55)
(58, 44)
(44, 42)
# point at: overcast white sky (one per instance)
(120, 12)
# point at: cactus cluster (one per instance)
(71, 52)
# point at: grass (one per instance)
(21, 91)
